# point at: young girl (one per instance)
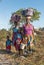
(8, 44)
(23, 45)
(18, 41)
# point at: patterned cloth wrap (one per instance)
(15, 31)
(16, 38)
(15, 18)
(28, 12)
(18, 41)
(8, 45)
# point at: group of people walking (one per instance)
(23, 36)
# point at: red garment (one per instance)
(13, 39)
(18, 42)
(8, 47)
(13, 36)
(17, 46)
(14, 43)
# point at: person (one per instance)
(8, 44)
(28, 28)
(23, 45)
(15, 20)
(18, 41)
(15, 31)
(16, 36)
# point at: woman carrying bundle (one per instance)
(27, 27)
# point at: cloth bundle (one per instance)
(28, 12)
(15, 18)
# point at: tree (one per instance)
(4, 33)
(35, 17)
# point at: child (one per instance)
(18, 41)
(23, 45)
(8, 44)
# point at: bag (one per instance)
(22, 46)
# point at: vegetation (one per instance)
(35, 58)
(4, 33)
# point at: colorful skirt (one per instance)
(18, 42)
(8, 47)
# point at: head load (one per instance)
(15, 18)
(28, 12)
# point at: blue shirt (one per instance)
(15, 29)
(19, 36)
(8, 42)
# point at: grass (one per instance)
(36, 58)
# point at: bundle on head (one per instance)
(15, 18)
(28, 12)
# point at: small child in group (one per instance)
(8, 44)
(23, 45)
(18, 41)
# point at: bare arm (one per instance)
(33, 33)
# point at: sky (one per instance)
(7, 7)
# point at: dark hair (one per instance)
(7, 36)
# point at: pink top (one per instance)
(28, 29)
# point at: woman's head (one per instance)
(28, 13)
(15, 18)
(28, 18)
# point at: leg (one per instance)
(20, 52)
(28, 46)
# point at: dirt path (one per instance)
(5, 58)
